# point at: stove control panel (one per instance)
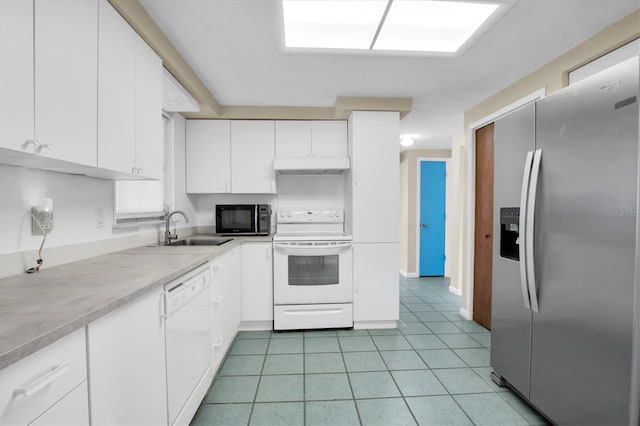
(310, 216)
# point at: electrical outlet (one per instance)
(99, 218)
(41, 222)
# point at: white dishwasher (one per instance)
(188, 338)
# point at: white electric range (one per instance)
(312, 271)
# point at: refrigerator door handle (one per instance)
(531, 211)
(522, 228)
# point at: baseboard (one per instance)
(256, 325)
(456, 291)
(465, 314)
(364, 325)
(408, 274)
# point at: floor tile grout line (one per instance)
(255, 395)
(353, 394)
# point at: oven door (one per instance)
(306, 272)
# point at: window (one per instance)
(143, 201)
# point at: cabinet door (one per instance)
(127, 372)
(149, 126)
(231, 296)
(375, 192)
(217, 317)
(208, 156)
(16, 74)
(252, 153)
(66, 79)
(329, 138)
(293, 138)
(116, 91)
(376, 282)
(257, 282)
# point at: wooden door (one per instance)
(482, 268)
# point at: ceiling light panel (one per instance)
(431, 26)
(341, 24)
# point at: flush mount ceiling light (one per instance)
(406, 141)
(384, 25)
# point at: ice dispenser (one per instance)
(509, 234)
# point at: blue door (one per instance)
(432, 217)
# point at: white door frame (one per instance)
(447, 212)
(467, 304)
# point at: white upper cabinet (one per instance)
(16, 74)
(311, 138)
(66, 84)
(116, 92)
(130, 137)
(208, 156)
(372, 201)
(329, 138)
(149, 132)
(252, 153)
(293, 138)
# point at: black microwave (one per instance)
(243, 219)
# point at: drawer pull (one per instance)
(217, 300)
(218, 342)
(43, 381)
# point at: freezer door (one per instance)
(514, 137)
(585, 249)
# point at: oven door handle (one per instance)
(318, 249)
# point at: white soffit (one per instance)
(175, 97)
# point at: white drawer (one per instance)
(298, 317)
(72, 410)
(32, 385)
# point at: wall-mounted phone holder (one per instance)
(42, 217)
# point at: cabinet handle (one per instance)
(139, 170)
(218, 342)
(226, 186)
(41, 146)
(28, 142)
(133, 170)
(357, 286)
(163, 305)
(43, 381)
(268, 253)
(355, 178)
(217, 300)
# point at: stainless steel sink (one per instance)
(200, 242)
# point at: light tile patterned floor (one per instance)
(433, 370)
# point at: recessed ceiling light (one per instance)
(406, 141)
(431, 26)
(389, 25)
(336, 24)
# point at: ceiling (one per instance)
(236, 48)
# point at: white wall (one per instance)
(75, 200)
(311, 192)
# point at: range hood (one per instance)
(311, 165)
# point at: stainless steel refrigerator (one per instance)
(565, 199)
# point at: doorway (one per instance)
(483, 241)
(432, 224)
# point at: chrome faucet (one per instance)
(168, 236)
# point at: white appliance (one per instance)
(188, 339)
(312, 271)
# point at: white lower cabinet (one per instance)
(231, 296)
(218, 344)
(37, 384)
(257, 285)
(376, 287)
(127, 371)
